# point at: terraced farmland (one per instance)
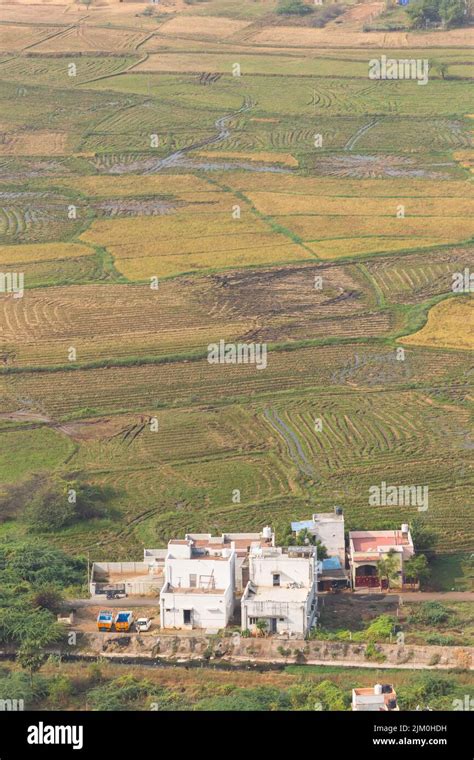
(157, 199)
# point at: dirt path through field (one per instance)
(360, 132)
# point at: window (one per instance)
(276, 579)
(253, 621)
(192, 580)
(187, 617)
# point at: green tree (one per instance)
(449, 13)
(388, 567)
(47, 597)
(416, 569)
(55, 503)
(31, 658)
(424, 539)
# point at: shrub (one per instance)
(438, 639)
(293, 8)
(430, 613)
(373, 653)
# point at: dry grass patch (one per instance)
(450, 325)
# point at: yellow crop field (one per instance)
(135, 184)
(450, 325)
(333, 249)
(465, 158)
(43, 142)
(281, 203)
(174, 230)
(142, 268)
(203, 26)
(206, 246)
(364, 188)
(28, 253)
(274, 158)
(443, 229)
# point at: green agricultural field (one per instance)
(265, 203)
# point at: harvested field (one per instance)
(15, 37)
(40, 143)
(208, 27)
(155, 161)
(418, 277)
(84, 38)
(291, 37)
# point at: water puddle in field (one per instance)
(220, 166)
(180, 160)
(136, 207)
(359, 166)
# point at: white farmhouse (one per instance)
(281, 590)
(199, 586)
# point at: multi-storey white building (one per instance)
(199, 586)
(241, 543)
(281, 590)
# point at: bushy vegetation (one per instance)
(326, 13)
(430, 614)
(293, 8)
(51, 503)
(32, 579)
(449, 13)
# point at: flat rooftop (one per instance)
(366, 542)
(168, 589)
(243, 542)
(367, 696)
(277, 594)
